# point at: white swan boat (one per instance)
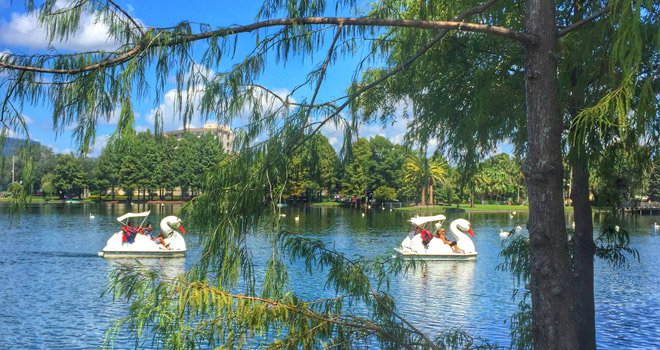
(436, 249)
(143, 245)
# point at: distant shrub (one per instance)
(385, 194)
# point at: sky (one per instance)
(20, 33)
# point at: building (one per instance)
(222, 132)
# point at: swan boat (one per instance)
(143, 245)
(436, 249)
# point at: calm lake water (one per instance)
(52, 278)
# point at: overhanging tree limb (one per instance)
(524, 38)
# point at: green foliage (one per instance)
(654, 181)
(146, 163)
(499, 178)
(312, 170)
(48, 185)
(385, 194)
(621, 174)
(357, 169)
(613, 246)
(69, 175)
(425, 173)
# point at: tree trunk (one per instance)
(583, 269)
(553, 325)
(423, 201)
(431, 200)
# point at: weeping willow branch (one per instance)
(323, 70)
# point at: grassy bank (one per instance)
(466, 207)
(326, 204)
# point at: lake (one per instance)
(52, 278)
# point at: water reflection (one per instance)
(441, 288)
(166, 268)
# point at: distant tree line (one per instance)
(153, 167)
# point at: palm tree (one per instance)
(426, 172)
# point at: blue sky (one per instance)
(19, 33)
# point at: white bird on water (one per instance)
(297, 218)
(91, 216)
(507, 234)
(656, 226)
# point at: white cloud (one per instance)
(172, 120)
(395, 132)
(24, 30)
(99, 144)
(168, 108)
(10, 133)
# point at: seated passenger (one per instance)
(426, 235)
(128, 233)
(440, 234)
(147, 229)
(160, 238)
(157, 238)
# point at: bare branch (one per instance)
(130, 18)
(582, 22)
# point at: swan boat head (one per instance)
(171, 224)
(460, 228)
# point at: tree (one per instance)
(387, 159)
(48, 185)
(654, 181)
(106, 172)
(93, 80)
(384, 194)
(357, 169)
(69, 176)
(425, 173)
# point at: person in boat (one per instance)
(440, 234)
(128, 233)
(425, 234)
(147, 229)
(158, 238)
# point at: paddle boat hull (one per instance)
(143, 247)
(408, 254)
